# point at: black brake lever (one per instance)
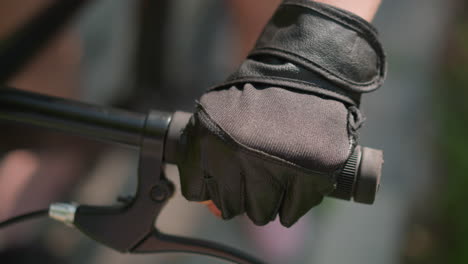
(130, 227)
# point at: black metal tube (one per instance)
(96, 122)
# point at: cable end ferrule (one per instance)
(63, 212)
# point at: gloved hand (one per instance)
(272, 138)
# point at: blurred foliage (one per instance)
(454, 145)
(439, 231)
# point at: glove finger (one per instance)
(227, 197)
(300, 197)
(223, 179)
(193, 185)
(263, 197)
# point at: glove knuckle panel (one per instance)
(307, 130)
(298, 200)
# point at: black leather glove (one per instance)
(273, 138)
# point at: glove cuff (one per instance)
(337, 44)
(322, 41)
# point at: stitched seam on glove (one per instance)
(289, 84)
(284, 54)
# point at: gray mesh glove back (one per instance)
(273, 138)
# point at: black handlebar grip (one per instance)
(359, 179)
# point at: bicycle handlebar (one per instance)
(359, 179)
(95, 122)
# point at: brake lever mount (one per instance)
(130, 227)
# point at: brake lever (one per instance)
(130, 227)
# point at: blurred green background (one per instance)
(438, 233)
